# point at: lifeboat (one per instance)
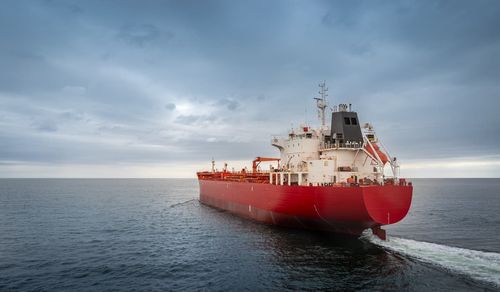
(383, 157)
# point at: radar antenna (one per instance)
(321, 102)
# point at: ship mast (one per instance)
(321, 102)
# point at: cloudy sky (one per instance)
(158, 88)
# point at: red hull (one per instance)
(334, 208)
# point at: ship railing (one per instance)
(291, 178)
(287, 178)
(348, 145)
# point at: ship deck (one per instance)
(236, 176)
(264, 178)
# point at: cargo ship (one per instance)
(336, 178)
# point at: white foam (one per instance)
(483, 266)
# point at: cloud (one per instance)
(45, 125)
(73, 90)
(139, 34)
(195, 119)
(230, 104)
(170, 106)
(131, 83)
(478, 167)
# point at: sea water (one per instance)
(153, 234)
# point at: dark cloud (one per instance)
(170, 106)
(139, 34)
(72, 116)
(262, 97)
(230, 104)
(45, 125)
(195, 119)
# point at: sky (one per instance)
(158, 88)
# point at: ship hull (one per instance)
(348, 210)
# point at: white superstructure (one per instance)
(343, 152)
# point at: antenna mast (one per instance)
(321, 102)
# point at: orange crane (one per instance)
(258, 160)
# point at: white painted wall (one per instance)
(301, 152)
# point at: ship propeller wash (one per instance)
(329, 178)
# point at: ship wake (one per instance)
(182, 203)
(479, 265)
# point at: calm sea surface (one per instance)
(153, 234)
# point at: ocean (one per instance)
(153, 234)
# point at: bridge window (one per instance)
(347, 121)
(354, 121)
